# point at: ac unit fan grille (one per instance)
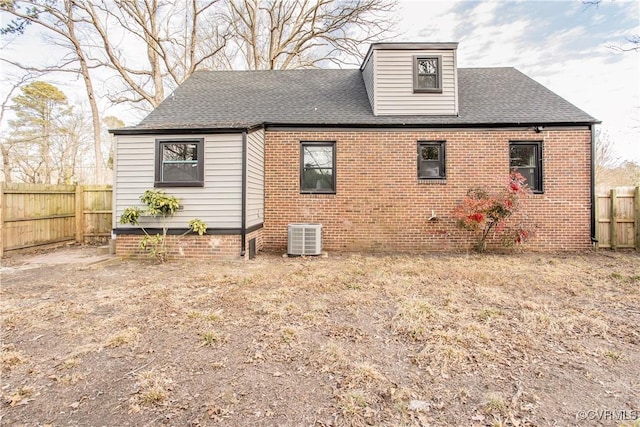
(304, 239)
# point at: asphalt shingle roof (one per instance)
(237, 99)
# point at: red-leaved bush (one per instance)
(487, 213)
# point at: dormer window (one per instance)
(427, 74)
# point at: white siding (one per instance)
(455, 80)
(394, 84)
(255, 178)
(218, 203)
(369, 80)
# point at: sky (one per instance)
(564, 45)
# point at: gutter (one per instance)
(243, 224)
(594, 239)
(398, 125)
(410, 125)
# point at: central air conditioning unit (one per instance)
(304, 239)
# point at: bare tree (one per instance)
(49, 137)
(632, 44)
(151, 46)
(6, 139)
(607, 160)
(606, 155)
(5, 152)
(176, 38)
(282, 34)
(60, 20)
(111, 122)
(632, 41)
(71, 150)
(40, 110)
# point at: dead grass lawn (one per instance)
(491, 340)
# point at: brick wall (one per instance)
(191, 246)
(381, 205)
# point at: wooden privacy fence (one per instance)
(38, 214)
(618, 218)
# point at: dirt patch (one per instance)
(491, 340)
(48, 256)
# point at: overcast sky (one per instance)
(564, 45)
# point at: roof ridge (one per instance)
(487, 68)
(293, 70)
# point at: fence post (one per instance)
(614, 214)
(1, 218)
(79, 214)
(637, 217)
(596, 202)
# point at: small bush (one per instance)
(163, 206)
(487, 214)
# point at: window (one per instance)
(427, 74)
(526, 158)
(317, 167)
(431, 163)
(179, 163)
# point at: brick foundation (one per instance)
(192, 246)
(381, 205)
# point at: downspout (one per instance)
(243, 225)
(594, 240)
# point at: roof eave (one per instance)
(217, 130)
(184, 130)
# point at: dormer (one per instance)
(411, 79)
